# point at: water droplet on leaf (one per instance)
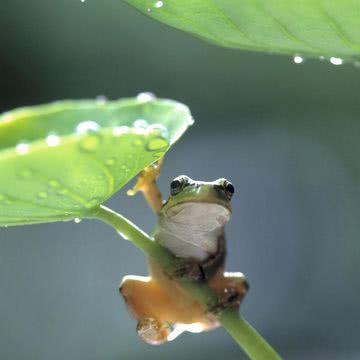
(145, 96)
(158, 130)
(336, 61)
(90, 142)
(42, 195)
(159, 4)
(62, 192)
(298, 59)
(101, 100)
(156, 144)
(54, 183)
(140, 124)
(87, 126)
(110, 162)
(52, 140)
(22, 148)
(120, 130)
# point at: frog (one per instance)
(190, 225)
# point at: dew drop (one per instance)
(22, 148)
(77, 220)
(298, 59)
(62, 192)
(42, 195)
(90, 143)
(158, 130)
(92, 139)
(156, 144)
(120, 130)
(148, 10)
(87, 126)
(54, 183)
(336, 60)
(159, 4)
(125, 168)
(101, 100)
(52, 140)
(140, 124)
(145, 96)
(357, 64)
(110, 162)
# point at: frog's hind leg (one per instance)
(231, 288)
(150, 306)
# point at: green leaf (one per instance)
(58, 161)
(329, 28)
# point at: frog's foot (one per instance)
(146, 183)
(153, 331)
(231, 290)
(187, 269)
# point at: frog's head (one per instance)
(206, 204)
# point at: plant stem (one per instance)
(243, 333)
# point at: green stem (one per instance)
(243, 333)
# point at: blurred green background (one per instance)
(285, 134)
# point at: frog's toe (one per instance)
(153, 331)
(231, 297)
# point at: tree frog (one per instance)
(191, 226)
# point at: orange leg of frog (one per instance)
(159, 304)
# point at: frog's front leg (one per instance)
(146, 183)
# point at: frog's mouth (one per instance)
(203, 216)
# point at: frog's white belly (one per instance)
(192, 230)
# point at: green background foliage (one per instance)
(316, 28)
(285, 134)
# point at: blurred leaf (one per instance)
(60, 160)
(306, 27)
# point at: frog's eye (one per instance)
(227, 187)
(178, 184)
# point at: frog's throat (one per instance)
(192, 230)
